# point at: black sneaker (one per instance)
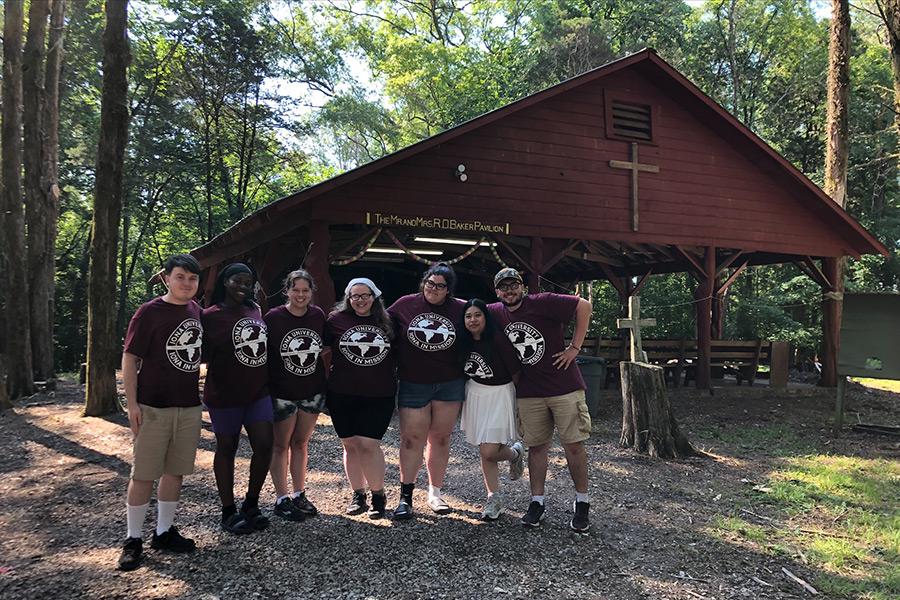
(534, 515)
(305, 506)
(172, 541)
(358, 504)
(404, 510)
(580, 521)
(287, 510)
(130, 559)
(379, 503)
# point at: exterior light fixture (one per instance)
(434, 240)
(399, 251)
(460, 173)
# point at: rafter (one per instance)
(731, 278)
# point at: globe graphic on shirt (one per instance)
(183, 346)
(300, 349)
(431, 332)
(528, 342)
(249, 338)
(364, 345)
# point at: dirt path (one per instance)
(62, 515)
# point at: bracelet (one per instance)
(577, 348)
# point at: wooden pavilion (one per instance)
(625, 171)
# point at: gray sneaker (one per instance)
(517, 465)
(493, 508)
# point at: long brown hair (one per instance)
(382, 318)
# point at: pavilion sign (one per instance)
(386, 220)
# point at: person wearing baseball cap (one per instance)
(550, 391)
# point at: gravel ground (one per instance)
(62, 517)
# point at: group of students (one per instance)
(502, 370)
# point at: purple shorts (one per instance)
(228, 421)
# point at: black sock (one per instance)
(227, 511)
(406, 490)
(250, 502)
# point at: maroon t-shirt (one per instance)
(537, 331)
(426, 334)
(296, 372)
(362, 363)
(492, 362)
(234, 347)
(168, 339)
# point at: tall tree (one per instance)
(836, 156)
(18, 344)
(890, 14)
(37, 189)
(103, 347)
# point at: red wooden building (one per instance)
(622, 172)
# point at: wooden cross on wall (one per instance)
(635, 167)
(633, 323)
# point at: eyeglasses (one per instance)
(358, 297)
(509, 287)
(433, 285)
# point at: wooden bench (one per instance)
(679, 357)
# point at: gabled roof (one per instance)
(270, 222)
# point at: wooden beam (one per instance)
(559, 256)
(728, 262)
(365, 237)
(817, 274)
(616, 283)
(596, 258)
(641, 282)
(704, 318)
(731, 278)
(525, 264)
(694, 267)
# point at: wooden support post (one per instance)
(832, 310)
(537, 261)
(718, 311)
(704, 318)
(317, 264)
(839, 405)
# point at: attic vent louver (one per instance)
(632, 121)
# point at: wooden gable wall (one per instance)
(545, 171)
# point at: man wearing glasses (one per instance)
(550, 392)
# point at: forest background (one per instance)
(236, 103)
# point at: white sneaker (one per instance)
(493, 508)
(517, 465)
(437, 504)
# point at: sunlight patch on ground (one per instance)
(890, 385)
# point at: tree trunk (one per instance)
(648, 425)
(890, 14)
(103, 344)
(20, 380)
(836, 156)
(4, 397)
(37, 190)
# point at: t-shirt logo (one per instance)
(249, 338)
(300, 350)
(431, 332)
(183, 346)
(476, 366)
(527, 340)
(364, 345)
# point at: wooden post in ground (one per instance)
(317, 264)
(648, 425)
(704, 318)
(839, 405)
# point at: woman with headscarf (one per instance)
(361, 389)
(236, 392)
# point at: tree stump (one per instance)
(648, 425)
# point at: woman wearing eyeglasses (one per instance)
(361, 389)
(432, 383)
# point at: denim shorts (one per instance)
(418, 395)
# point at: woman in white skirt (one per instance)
(489, 412)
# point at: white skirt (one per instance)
(489, 413)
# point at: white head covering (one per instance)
(364, 281)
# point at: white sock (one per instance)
(491, 495)
(280, 498)
(434, 492)
(539, 499)
(135, 519)
(582, 497)
(165, 515)
(299, 493)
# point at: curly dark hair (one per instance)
(443, 270)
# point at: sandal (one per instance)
(255, 519)
(237, 524)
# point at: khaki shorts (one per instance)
(536, 417)
(166, 442)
